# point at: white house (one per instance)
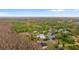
(42, 36)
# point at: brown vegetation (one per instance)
(11, 41)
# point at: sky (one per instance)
(39, 12)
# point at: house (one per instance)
(50, 36)
(41, 36)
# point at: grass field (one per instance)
(54, 34)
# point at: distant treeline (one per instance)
(39, 18)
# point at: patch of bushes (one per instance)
(74, 47)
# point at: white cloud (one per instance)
(4, 14)
(57, 10)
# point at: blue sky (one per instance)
(39, 12)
